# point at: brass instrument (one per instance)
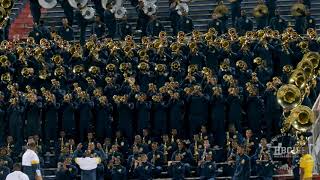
(221, 10)
(161, 68)
(6, 77)
(78, 69)
(192, 68)
(59, 71)
(175, 47)
(314, 57)
(94, 70)
(175, 65)
(312, 33)
(43, 74)
(111, 67)
(298, 9)
(143, 66)
(301, 118)
(242, 65)
(260, 10)
(298, 78)
(306, 66)
(57, 59)
(304, 46)
(27, 72)
(225, 44)
(289, 96)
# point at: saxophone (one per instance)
(165, 152)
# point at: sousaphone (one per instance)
(88, 12)
(120, 12)
(73, 3)
(48, 4)
(104, 3)
(149, 9)
(181, 8)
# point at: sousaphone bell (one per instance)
(88, 13)
(48, 4)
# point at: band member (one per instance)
(154, 26)
(116, 170)
(217, 116)
(272, 5)
(143, 107)
(4, 170)
(33, 114)
(215, 23)
(177, 168)
(110, 20)
(125, 117)
(82, 23)
(278, 23)
(173, 16)
(176, 112)
(68, 11)
(185, 23)
(66, 170)
(143, 168)
(99, 28)
(159, 115)
(15, 119)
(66, 31)
(235, 10)
(234, 108)
(243, 167)
(254, 109)
(156, 158)
(51, 117)
(103, 115)
(125, 28)
(143, 18)
(207, 167)
(311, 22)
(243, 23)
(35, 9)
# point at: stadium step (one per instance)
(22, 20)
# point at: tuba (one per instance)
(301, 118)
(314, 57)
(48, 4)
(298, 78)
(306, 66)
(289, 96)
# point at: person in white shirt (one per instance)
(88, 166)
(30, 161)
(17, 174)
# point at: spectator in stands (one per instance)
(16, 173)
(35, 9)
(99, 28)
(143, 18)
(110, 20)
(185, 23)
(243, 23)
(68, 11)
(31, 162)
(154, 26)
(278, 23)
(215, 23)
(235, 10)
